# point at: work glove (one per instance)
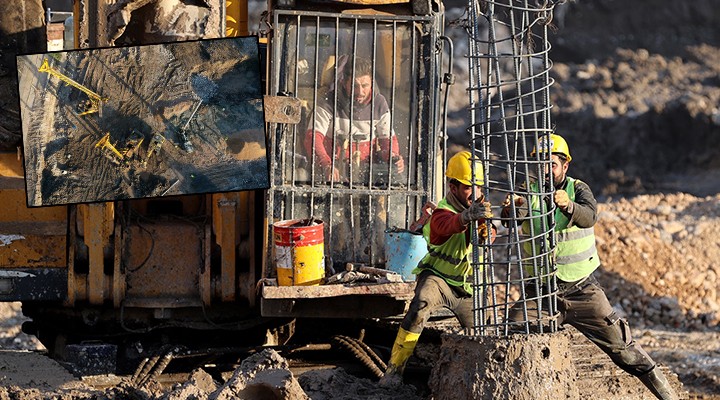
(520, 208)
(399, 163)
(483, 231)
(477, 210)
(331, 173)
(562, 200)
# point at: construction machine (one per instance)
(130, 150)
(153, 147)
(90, 106)
(109, 149)
(130, 271)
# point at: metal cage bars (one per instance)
(370, 195)
(514, 277)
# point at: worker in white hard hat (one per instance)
(581, 302)
(444, 275)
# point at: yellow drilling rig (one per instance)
(94, 101)
(133, 271)
(124, 154)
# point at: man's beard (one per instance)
(556, 183)
(361, 102)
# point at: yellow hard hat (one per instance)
(459, 168)
(556, 144)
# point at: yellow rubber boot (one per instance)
(403, 347)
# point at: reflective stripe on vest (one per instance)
(448, 260)
(575, 255)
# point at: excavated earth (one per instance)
(636, 95)
(203, 87)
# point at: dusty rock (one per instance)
(331, 384)
(11, 335)
(197, 387)
(626, 137)
(264, 375)
(658, 255)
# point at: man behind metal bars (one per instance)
(582, 303)
(350, 127)
(369, 132)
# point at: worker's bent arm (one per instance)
(443, 224)
(320, 154)
(321, 124)
(583, 211)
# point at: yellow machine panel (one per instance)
(29, 237)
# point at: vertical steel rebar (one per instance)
(509, 103)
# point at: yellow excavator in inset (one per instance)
(109, 150)
(153, 147)
(125, 154)
(95, 100)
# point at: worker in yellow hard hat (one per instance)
(444, 275)
(581, 302)
(556, 144)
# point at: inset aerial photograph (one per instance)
(144, 121)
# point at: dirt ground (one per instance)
(636, 96)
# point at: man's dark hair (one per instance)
(363, 67)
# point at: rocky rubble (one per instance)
(11, 335)
(659, 255)
(264, 375)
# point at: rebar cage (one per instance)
(348, 176)
(509, 94)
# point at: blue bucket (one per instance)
(403, 252)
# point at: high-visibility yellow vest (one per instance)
(448, 260)
(575, 252)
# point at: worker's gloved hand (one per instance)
(562, 200)
(483, 231)
(477, 210)
(399, 163)
(520, 208)
(331, 173)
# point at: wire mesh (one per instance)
(509, 84)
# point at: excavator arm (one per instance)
(95, 99)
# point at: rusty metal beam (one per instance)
(396, 290)
(97, 224)
(205, 278)
(118, 278)
(227, 208)
(72, 242)
(248, 281)
(337, 301)
(87, 18)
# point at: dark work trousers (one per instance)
(586, 307)
(431, 294)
